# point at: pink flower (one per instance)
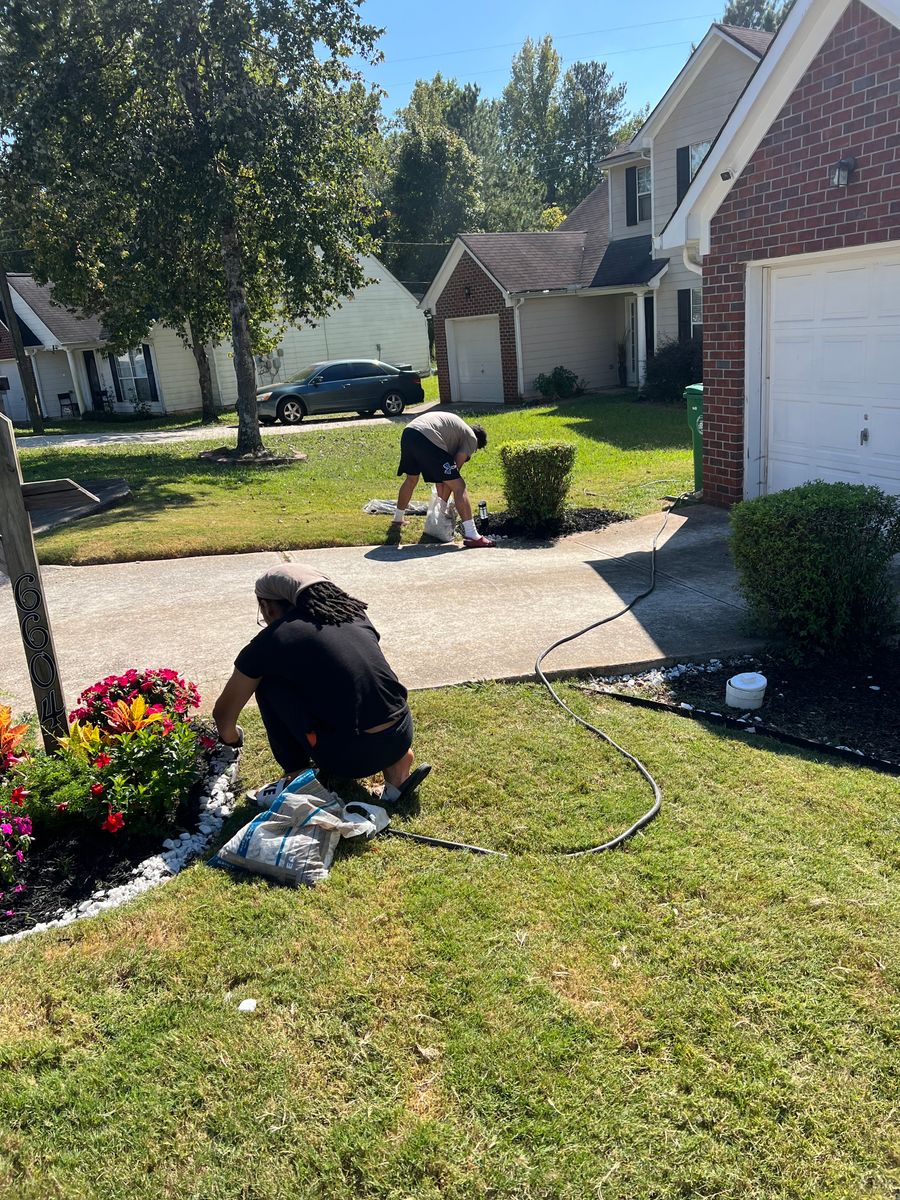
(6, 827)
(62, 807)
(101, 761)
(166, 725)
(206, 741)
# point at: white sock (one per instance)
(399, 514)
(469, 529)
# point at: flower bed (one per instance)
(82, 828)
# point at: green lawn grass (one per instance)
(712, 1012)
(629, 454)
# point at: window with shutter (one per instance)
(631, 196)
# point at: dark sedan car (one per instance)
(348, 385)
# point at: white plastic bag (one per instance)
(440, 520)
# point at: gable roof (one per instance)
(6, 344)
(66, 326)
(793, 48)
(528, 262)
(752, 42)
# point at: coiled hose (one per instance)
(653, 810)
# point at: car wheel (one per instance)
(393, 404)
(291, 410)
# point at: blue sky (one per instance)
(644, 46)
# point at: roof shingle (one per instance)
(67, 327)
(755, 40)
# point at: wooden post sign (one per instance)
(28, 593)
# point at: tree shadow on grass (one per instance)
(625, 422)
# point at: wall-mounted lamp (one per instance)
(840, 175)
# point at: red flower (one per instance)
(62, 807)
(97, 789)
(206, 741)
(114, 822)
(17, 796)
(101, 761)
(166, 725)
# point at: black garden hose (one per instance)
(653, 810)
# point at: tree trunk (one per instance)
(210, 414)
(248, 439)
(26, 368)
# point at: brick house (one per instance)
(594, 295)
(795, 215)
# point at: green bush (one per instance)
(670, 370)
(560, 384)
(813, 564)
(536, 478)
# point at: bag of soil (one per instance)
(440, 520)
(295, 839)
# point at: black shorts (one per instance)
(419, 456)
(357, 756)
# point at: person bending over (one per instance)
(324, 689)
(435, 446)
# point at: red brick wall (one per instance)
(484, 298)
(848, 102)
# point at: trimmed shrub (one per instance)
(536, 478)
(813, 564)
(674, 365)
(560, 384)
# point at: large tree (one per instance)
(529, 112)
(591, 108)
(243, 116)
(757, 14)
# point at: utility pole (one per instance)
(25, 365)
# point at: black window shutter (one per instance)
(117, 387)
(151, 376)
(631, 196)
(682, 172)
(684, 314)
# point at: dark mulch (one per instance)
(573, 520)
(855, 704)
(224, 457)
(60, 875)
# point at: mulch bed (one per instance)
(851, 704)
(59, 876)
(573, 520)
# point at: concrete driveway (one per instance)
(446, 615)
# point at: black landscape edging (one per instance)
(790, 739)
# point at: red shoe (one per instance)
(481, 542)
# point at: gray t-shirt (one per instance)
(447, 431)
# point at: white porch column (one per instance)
(76, 379)
(42, 404)
(641, 338)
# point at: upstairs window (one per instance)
(642, 187)
(687, 164)
(697, 154)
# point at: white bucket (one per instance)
(746, 690)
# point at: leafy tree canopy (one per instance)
(766, 15)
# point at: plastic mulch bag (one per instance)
(295, 839)
(440, 520)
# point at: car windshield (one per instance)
(306, 374)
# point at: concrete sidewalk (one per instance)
(446, 615)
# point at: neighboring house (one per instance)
(796, 215)
(76, 373)
(593, 295)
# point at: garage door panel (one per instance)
(833, 371)
(479, 372)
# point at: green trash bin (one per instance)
(693, 394)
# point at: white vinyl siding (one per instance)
(54, 377)
(382, 320)
(14, 398)
(573, 332)
(176, 371)
(619, 222)
(678, 276)
(697, 118)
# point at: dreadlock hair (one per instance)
(326, 604)
(480, 435)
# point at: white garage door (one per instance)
(834, 372)
(474, 348)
